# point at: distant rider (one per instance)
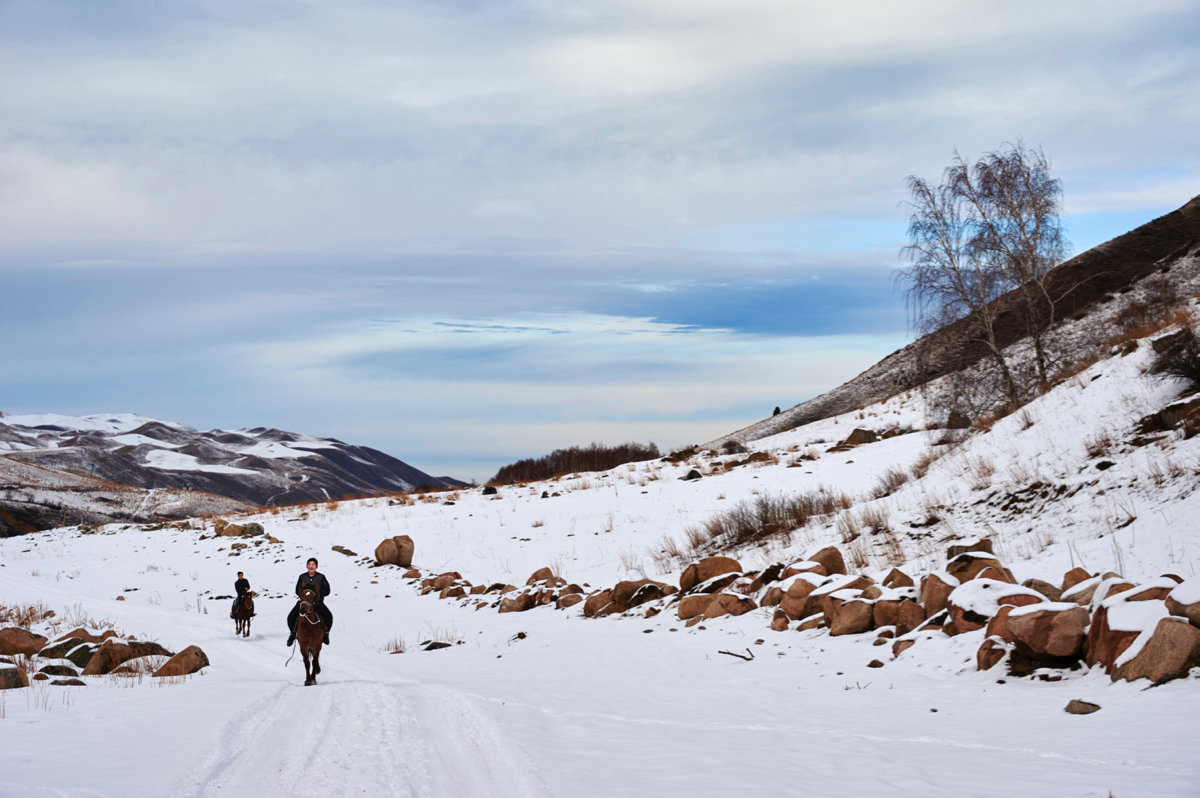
(316, 580)
(242, 588)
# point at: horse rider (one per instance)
(311, 578)
(242, 588)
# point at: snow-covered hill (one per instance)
(256, 466)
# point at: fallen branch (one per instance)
(740, 656)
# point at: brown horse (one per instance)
(245, 611)
(310, 632)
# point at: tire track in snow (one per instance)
(365, 738)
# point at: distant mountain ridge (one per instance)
(98, 453)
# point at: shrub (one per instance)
(1179, 358)
(576, 459)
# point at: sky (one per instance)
(466, 233)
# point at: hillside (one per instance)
(1086, 282)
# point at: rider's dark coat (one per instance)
(317, 582)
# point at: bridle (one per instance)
(308, 608)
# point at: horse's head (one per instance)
(308, 600)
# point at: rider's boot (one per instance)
(291, 639)
(326, 641)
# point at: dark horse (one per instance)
(309, 634)
(245, 611)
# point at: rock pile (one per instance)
(85, 652)
(542, 588)
(1149, 631)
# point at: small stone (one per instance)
(1077, 707)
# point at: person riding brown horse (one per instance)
(309, 626)
(242, 588)
(313, 580)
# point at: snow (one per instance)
(110, 423)
(984, 595)
(178, 461)
(1188, 592)
(1044, 606)
(141, 440)
(273, 449)
(630, 704)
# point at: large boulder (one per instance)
(972, 605)
(74, 650)
(1184, 601)
(886, 611)
(830, 558)
(860, 436)
(596, 602)
(545, 574)
(693, 606)
(190, 660)
(86, 635)
(397, 550)
(1051, 592)
(728, 604)
(114, 652)
(1170, 651)
(851, 617)
(227, 530)
(794, 602)
(442, 581)
(568, 600)
(837, 588)
(909, 615)
(936, 588)
(803, 567)
(15, 640)
(772, 573)
(519, 602)
(12, 677)
(1116, 624)
(971, 565)
(706, 569)
(633, 593)
(1074, 577)
(979, 545)
(991, 653)
(1049, 632)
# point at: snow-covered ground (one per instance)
(546, 702)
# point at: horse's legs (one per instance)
(316, 663)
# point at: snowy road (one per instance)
(364, 738)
